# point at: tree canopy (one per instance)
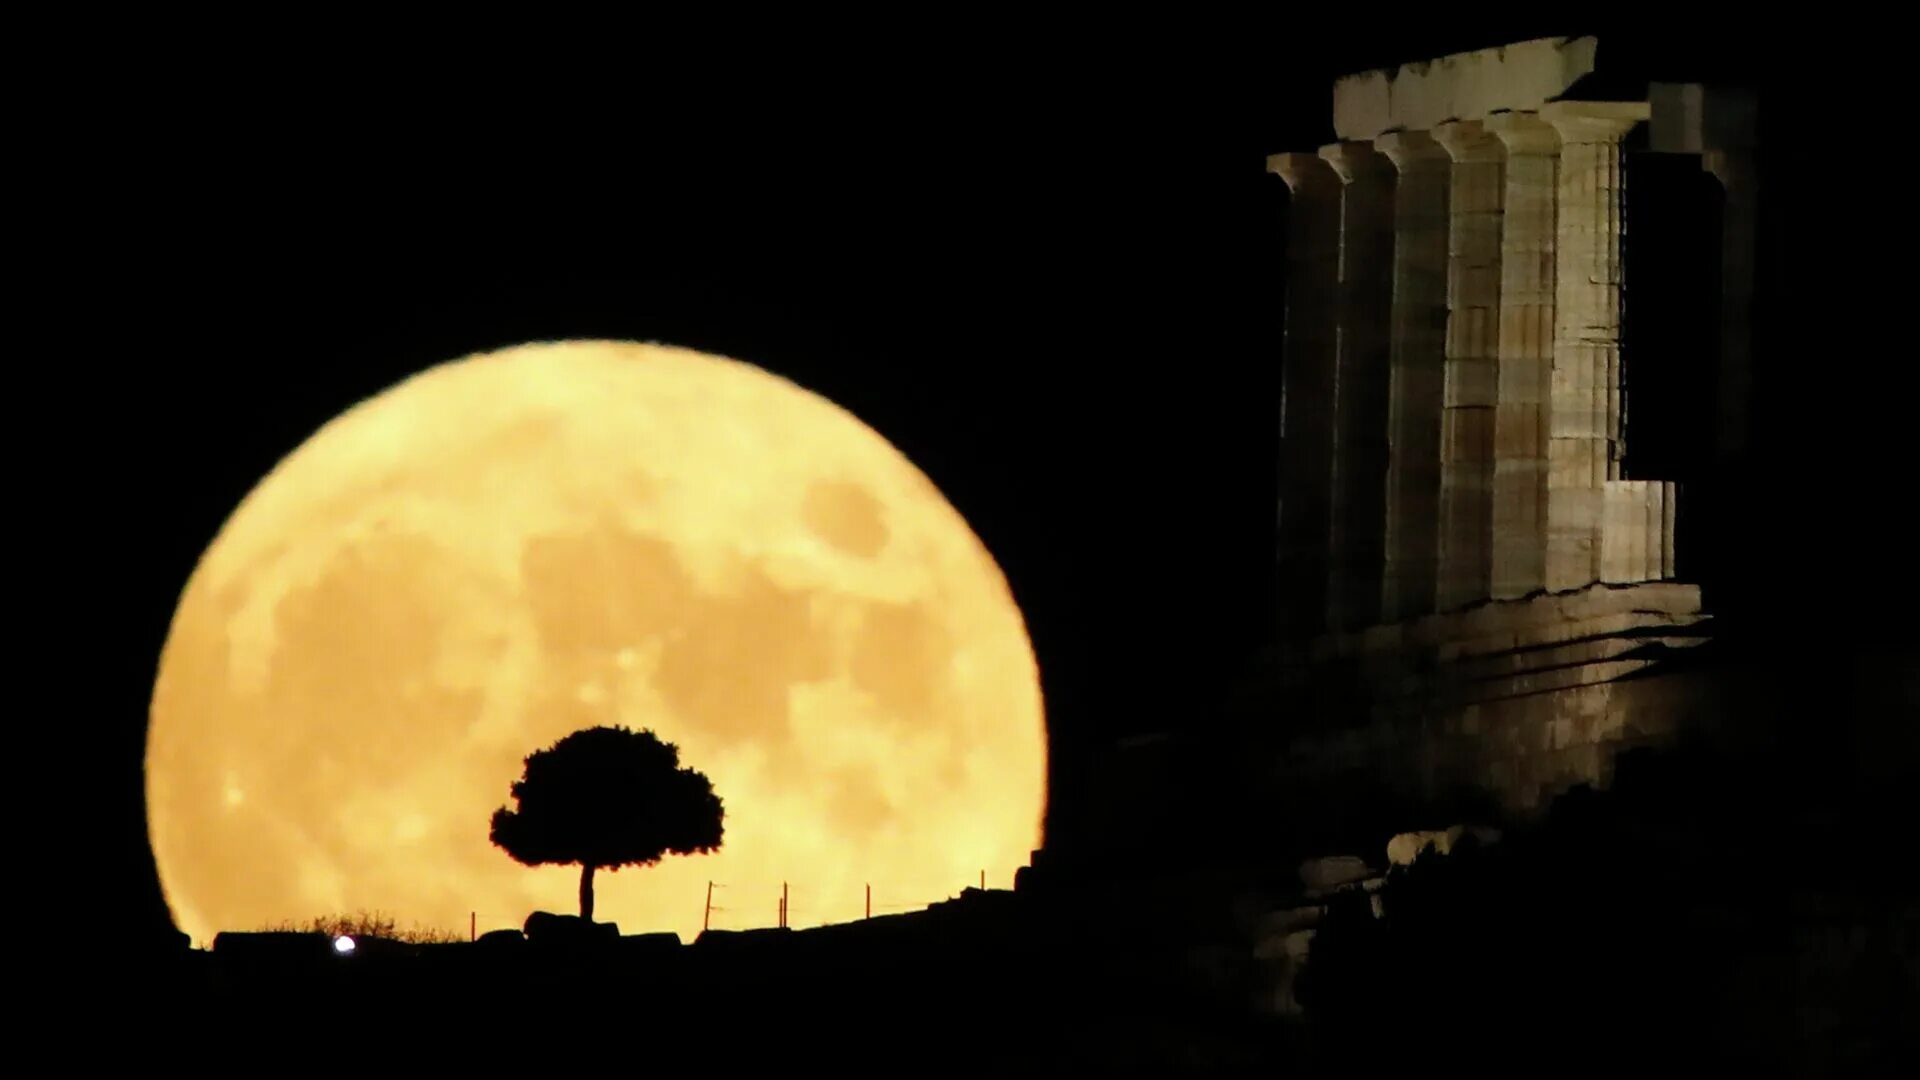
(608, 797)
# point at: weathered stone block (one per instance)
(1472, 382)
(1332, 872)
(1520, 435)
(1462, 86)
(1403, 849)
(1469, 438)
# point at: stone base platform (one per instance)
(1501, 706)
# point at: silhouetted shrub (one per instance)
(372, 924)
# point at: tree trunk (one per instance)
(586, 891)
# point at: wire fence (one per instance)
(753, 905)
(746, 906)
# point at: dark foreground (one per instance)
(1689, 917)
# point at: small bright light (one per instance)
(343, 945)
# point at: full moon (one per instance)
(513, 546)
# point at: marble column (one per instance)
(1739, 223)
(1307, 387)
(1358, 511)
(1584, 447)
(1526, 354)
(1417, 364)
(1721, 125)
(1476, 198)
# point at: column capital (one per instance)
(1594, 121)
(1524, 133)
(1355, 161)
(1468, 140)
(1303, 172)
(1733, 168)
(1408, 148)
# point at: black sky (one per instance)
(1045, 265)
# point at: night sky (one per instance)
(1046, 266)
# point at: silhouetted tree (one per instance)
(607, 796)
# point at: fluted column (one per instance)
(1584, 447)
(1476, 197)
(1417, 363)
(1734, 167)
(1307, 387)
(1358, 511)
(1526, 353)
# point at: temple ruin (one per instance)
(1498, 448)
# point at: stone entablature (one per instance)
(1466, 86)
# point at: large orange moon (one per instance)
(516, 545)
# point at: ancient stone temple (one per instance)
(1567, 736)
(1518, 302)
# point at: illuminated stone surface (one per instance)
(1470, 85)
(1523, 568)
(1585, 437)
(1473, 343)
(1418, 363)
(1525, 349)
